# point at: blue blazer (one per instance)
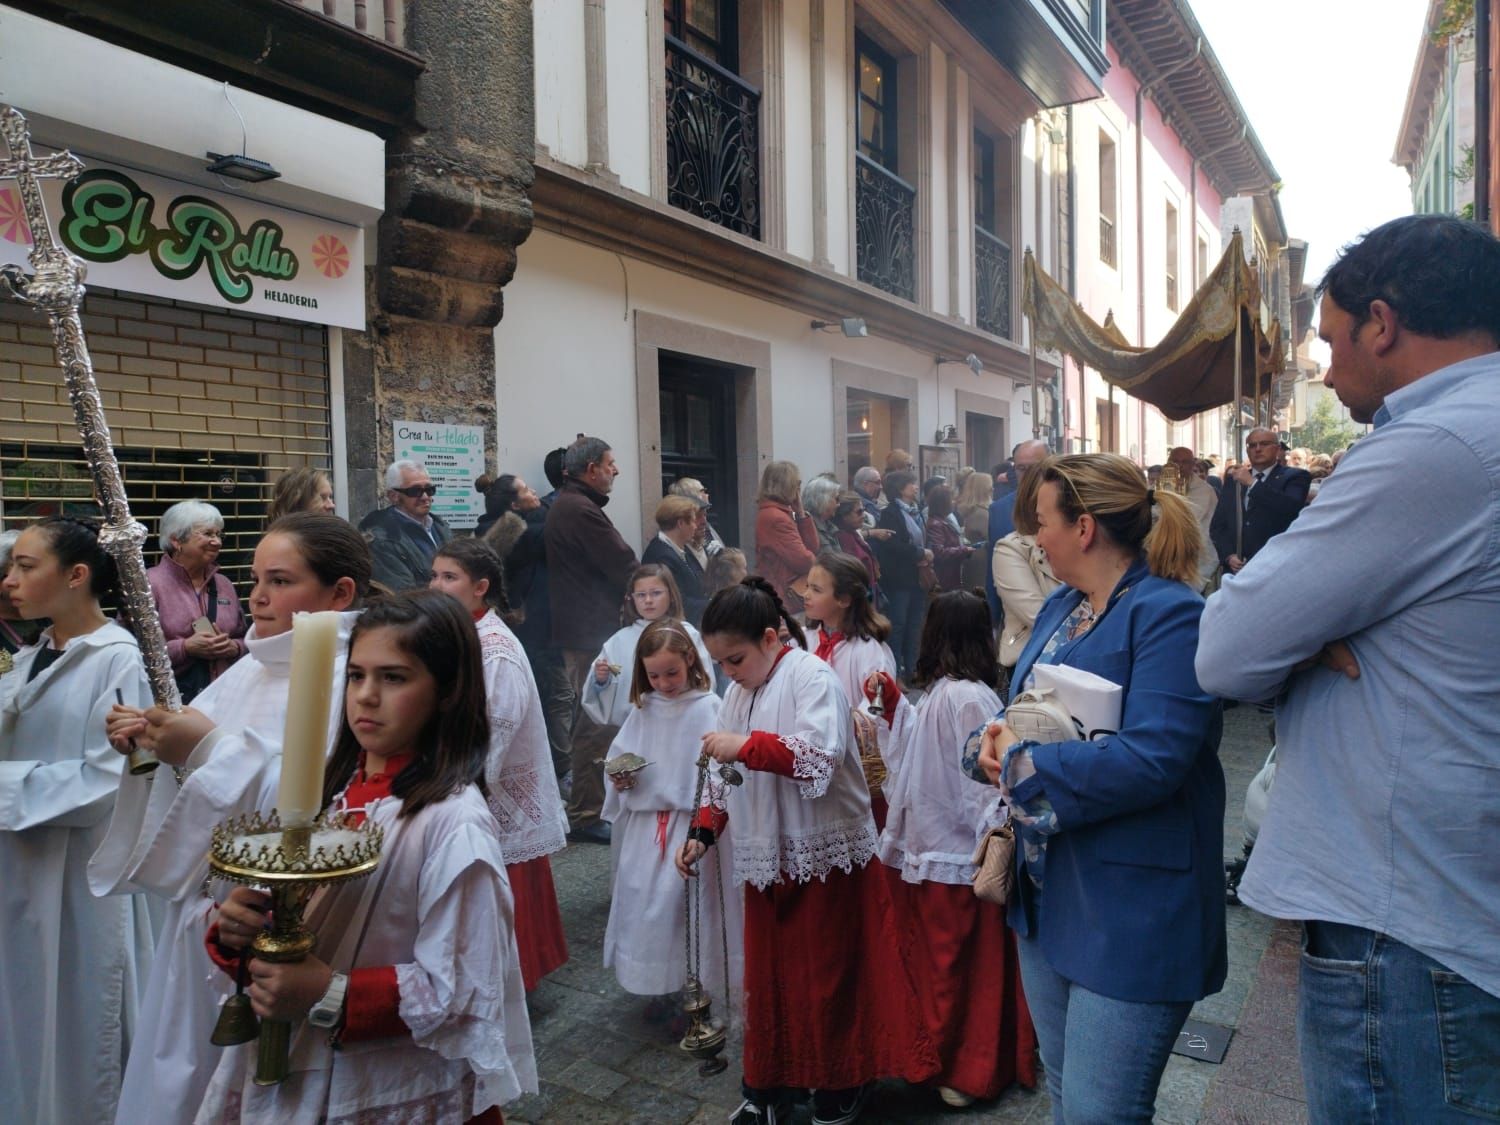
(1132, 905)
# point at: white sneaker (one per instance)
(751, 1113)
(955, 1098)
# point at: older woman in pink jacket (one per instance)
(786, 540)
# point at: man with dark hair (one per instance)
(1372, 622)
(588, 564)
(559, 701)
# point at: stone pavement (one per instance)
(601, 1060)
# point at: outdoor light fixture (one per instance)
(238, 166)
(947, 435)
(971, 361)
(851, 326)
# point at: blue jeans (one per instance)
(1104, 1058)
(908, 608)
(1389, 1034)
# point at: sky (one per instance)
(1323, 83)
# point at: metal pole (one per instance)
(1483, 112)
(56, 287)
(1239, 411)
(1036, 418)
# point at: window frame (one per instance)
(888, 153)
(725, 50)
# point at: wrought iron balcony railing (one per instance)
(991, 283)
(885, 228)
(1107, 240)
(713, 141)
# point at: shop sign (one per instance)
(453, 456)
(145, 234)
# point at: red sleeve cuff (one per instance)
(372, 1005)
(766, 752)
(710, 818)
(226, 959)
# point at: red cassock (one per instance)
(539, 926)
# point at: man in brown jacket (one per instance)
(588, 564)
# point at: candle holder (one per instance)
(291, 863)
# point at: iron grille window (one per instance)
(1108, 194)
(992, 282)
(713, 141)
(885, 228)
(1172, 257)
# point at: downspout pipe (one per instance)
(1483, 111)
(1140, 211)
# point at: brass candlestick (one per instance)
(291, 863)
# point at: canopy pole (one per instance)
(1036, 417)
(1239, 407)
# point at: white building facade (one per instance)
(714, 179)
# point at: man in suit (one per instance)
(1270, 495)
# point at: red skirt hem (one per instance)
(539, 927)
(968, 979)
(829, 1000)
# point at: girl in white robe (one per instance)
(965, 966)
(306, 564)
(522, 786)
(71, 966)
(651, 594)
(851, 636)
(431, 1024)
(829, 1004)
(651, 813)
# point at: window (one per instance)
(984, 182)
(875, 106)
(1108, 180)
(709, 27)
(1202, 260)
(1173, 258)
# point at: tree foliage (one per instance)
(1458, 17)
(1325, 431)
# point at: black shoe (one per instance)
(590, 834)
(839, 1107)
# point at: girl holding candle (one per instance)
(966, 968)
(650, 811)
(521, 785)
(70, 964)
(650, 595)
(829, 1003)
(417, 962)
(306, 563)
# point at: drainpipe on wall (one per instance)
(1140, 212)
(1482, 112)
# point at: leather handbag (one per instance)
(1038, 716)
(995, 866)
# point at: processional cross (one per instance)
(55, 286)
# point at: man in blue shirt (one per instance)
(1373, 620)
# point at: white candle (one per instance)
(304, 746)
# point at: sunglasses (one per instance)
(417, 490)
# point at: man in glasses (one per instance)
(405, 536)
(1267, 493)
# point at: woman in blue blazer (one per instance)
(1120, 917)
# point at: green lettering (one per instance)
(105, 215)
(201, 232)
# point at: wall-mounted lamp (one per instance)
(971, 361)
(851, 326)
(238, 166)
(947, 435)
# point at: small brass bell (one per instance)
(236, 1023)
(705, 1037)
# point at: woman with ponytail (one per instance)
(828, 1000)
(71, 965)
(1120, 917)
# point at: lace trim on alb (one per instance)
(811, 766)
(800, 859)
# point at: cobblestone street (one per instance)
(601, 1060)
